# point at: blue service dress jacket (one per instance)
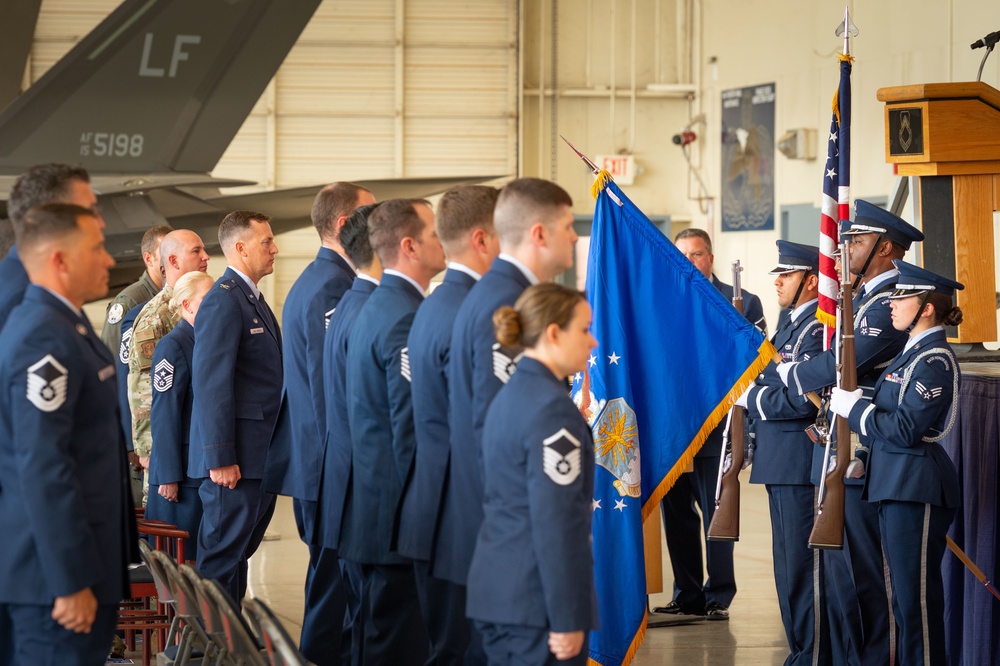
(170, 424)
(336, 472)
(13, 283)
(533, 564)
(380, 417)
(295, 458)
(876, 342)
(477, 369)
(912, 403)
(783, 451)
(65, 506)
(237, 380)
(121, 370)
(430, 345)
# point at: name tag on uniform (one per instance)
(255, 331)
(106, 372)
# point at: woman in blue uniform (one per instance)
(531, 585)
(173, 496)
(910, 475)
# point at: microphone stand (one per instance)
(989, 41)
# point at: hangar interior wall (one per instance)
(389, 88)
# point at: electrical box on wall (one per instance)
(798, 144)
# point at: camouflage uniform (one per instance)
(154, 321)
(141, 290)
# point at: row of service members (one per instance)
(397, 436)
(880, 599)
(209, 407)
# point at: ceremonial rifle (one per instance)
(725, 525)
(828, 528)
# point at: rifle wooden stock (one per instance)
(828, 528)
(725, 524)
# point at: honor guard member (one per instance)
(465, 226)
(534, 221)
(65, 512)
(682, 524)
(911, 481)
(782, 457)
(181, 252)
(294, 461)
(173, 495)
(237, 392)
(380, 417)
(140, 291)
(877, 237)
(531, 582)
(44, 183)
(336, 468)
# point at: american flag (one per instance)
(836, 194)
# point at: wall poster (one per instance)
(748, 158)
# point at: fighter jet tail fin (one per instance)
(158, 86)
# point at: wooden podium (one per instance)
(948, 135)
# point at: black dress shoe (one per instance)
(674, 608)
(716, 611)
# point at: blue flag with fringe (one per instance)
(672, 357)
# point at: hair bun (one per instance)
(508, 326)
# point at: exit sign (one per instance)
(621, 167)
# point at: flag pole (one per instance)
(587, 160)
(971, 566)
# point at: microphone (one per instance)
(988, 41)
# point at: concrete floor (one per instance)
(753, 635)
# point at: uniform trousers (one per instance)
(394, 630)
(232, 527)
(857, 585)
(39, 640)
(323, 630)
(511, 645)
(914, 539)
(683, 527)
(797, 575)
(185, 513)
(452, 638)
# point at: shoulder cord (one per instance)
(864, 309)
(802, 337)
(954, 393)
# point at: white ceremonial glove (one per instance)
(785, 369)
(842, 402)
(742, 400)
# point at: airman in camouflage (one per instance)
(139, 291)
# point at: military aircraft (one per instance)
(149, 101)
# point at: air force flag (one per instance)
(673, 357)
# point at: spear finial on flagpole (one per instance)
(593, 167)
(848, 30)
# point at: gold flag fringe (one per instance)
(765, 353)
(632, 649)
(600, 182)
(827, 319)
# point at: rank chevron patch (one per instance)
(163, 376)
